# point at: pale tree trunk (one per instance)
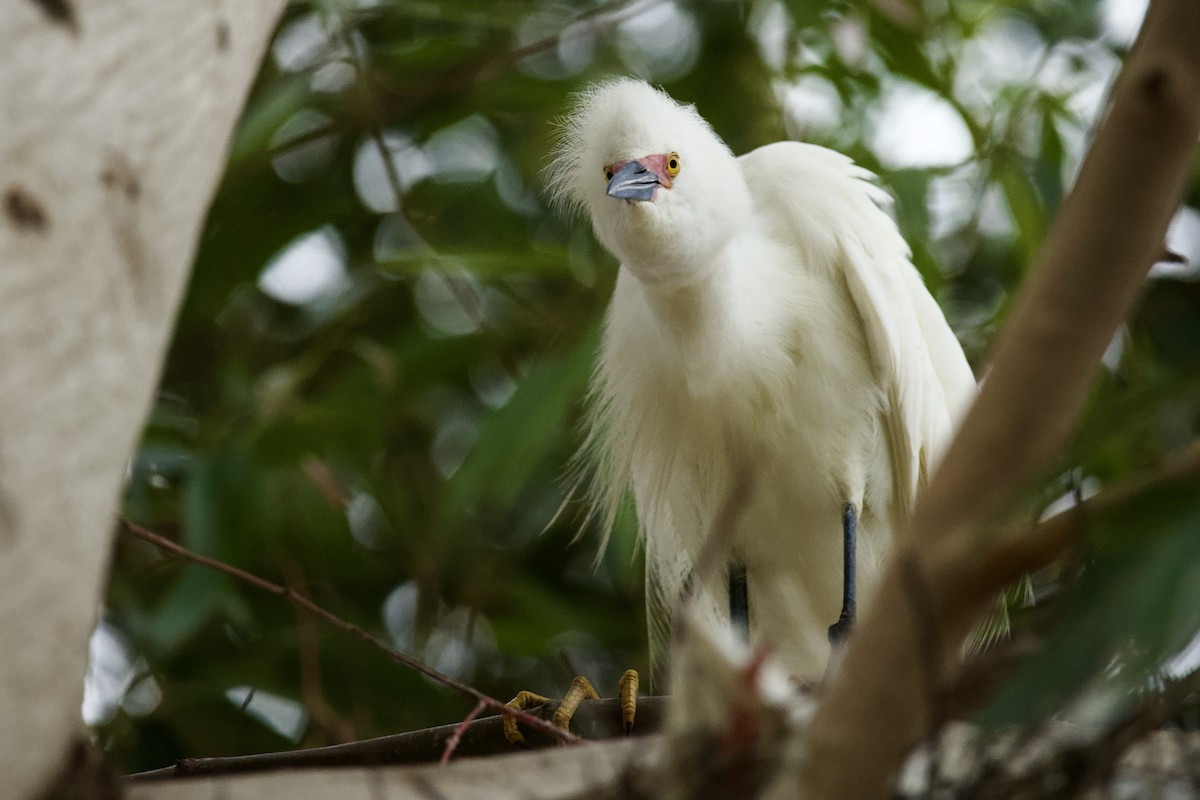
(1163, 766)
(115, 116)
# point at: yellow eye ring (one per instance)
(608, 173)
(673, 164)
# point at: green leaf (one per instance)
(266, 112)
(515, 440)
(1025, 205)
(1136, 605)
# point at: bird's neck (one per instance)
(699, 318)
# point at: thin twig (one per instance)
(323, 478)
(463, 76)
(456, 737)
(395, 655)
(308, 645)
(596, 720)
(467, 299)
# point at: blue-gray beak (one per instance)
(633, 182)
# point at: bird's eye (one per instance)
(608, 173)
(673, 164)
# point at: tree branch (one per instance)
(308, 605)
(593, 720)
(1108, 233)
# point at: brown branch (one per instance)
(1108, 233)
(593, 720)
(928, 643)
(323, 478)
(308, 605)
(1034, 548)
(1013, 556)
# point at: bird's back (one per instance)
(819, 200)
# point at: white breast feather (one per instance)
(826, 365)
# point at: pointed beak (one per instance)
(633, 181)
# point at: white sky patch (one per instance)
(108, 685)
(465, 152)
(453, 441)
(334, 77)
(913, 127)
(368, 524)
(492, 383)
(1005, 52)
(1186, 661)
(575, 50)
(281, 714)
(311, 266)
(659, 44)
(995, 217)
(1121, 20)
(1115, 352)
(576, 47)
(458, 641)
(811, 106)
(440, 301)
(770, 26)
(951, 200)
(298, 164)
(849, 34)
(1088, 487)
(1183, 237)
(371, 180)
(400, 614)
(510, 186)
(300, 43)
(1083, 73)
(396, 240)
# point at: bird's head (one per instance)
(662, 190)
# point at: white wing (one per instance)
(825, 207)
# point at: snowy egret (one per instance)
(766, 313)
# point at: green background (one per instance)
(394, 446)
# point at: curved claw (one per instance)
(629, 690)
(581, 689)
(522, 701)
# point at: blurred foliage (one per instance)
(378, 369)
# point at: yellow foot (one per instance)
(522, 701)
(581, 689)
(629, 689)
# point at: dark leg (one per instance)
(739, 600)
(839, 630)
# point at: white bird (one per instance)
(766, 312)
